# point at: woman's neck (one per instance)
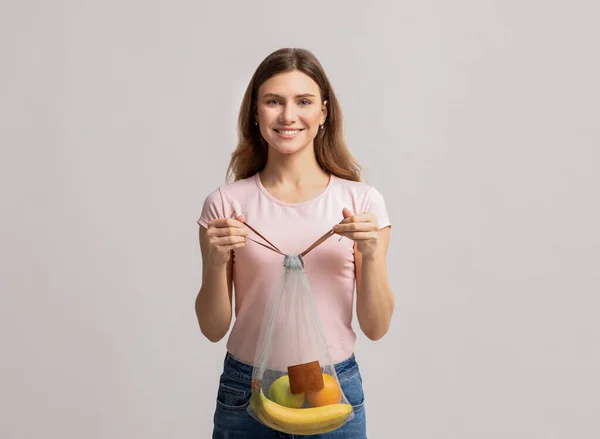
(293, 170)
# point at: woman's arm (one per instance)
(374, 297)
(213, 303)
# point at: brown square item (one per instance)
(306, 378)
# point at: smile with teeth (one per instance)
(288, 132)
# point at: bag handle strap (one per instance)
(272, 247)
(318, 242)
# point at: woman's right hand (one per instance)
(224, 235)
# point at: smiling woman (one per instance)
(285, 116)
(294, 179)
(288, 91)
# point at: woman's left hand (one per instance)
(363, 229)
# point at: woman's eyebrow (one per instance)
(304, 95)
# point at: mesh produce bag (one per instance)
(295, 388)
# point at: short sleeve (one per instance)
(375, 204)
(212, 208)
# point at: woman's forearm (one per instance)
(375, 299)
(213, 303)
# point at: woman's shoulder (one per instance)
(355, 189)
(234, 188)
(222, 202)
(363, 197)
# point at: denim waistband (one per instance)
(241, 371)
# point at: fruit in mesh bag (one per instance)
(330, 394)
(301, 421)
(281, 393)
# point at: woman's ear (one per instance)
(323, 112)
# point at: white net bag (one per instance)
(295, 388)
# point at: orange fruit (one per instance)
(330, 394)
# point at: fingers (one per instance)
(356, 227)
(227, 240)
(226, 234)
(227, 231)
(359, 236)
(226, 222)
(225, 244)
(360, 218)
(226, 227)
(233, 246)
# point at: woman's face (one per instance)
(289, 111)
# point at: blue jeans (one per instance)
(232, 421)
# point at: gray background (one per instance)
(477, 120)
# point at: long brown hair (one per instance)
(331, 151)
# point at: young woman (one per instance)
(294, 181)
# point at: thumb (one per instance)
(346, 213)
(240, 218)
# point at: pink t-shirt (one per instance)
(293, 227)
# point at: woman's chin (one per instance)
(287, 149)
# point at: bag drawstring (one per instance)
(272, 247)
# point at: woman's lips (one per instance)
(288, 134)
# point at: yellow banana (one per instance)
(304, 431)
(305, 421)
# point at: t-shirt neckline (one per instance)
(302, 203)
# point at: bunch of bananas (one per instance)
(302, 421)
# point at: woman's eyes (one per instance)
(303, 102)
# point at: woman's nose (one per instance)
(288, 114)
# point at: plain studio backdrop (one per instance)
(477, 120)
